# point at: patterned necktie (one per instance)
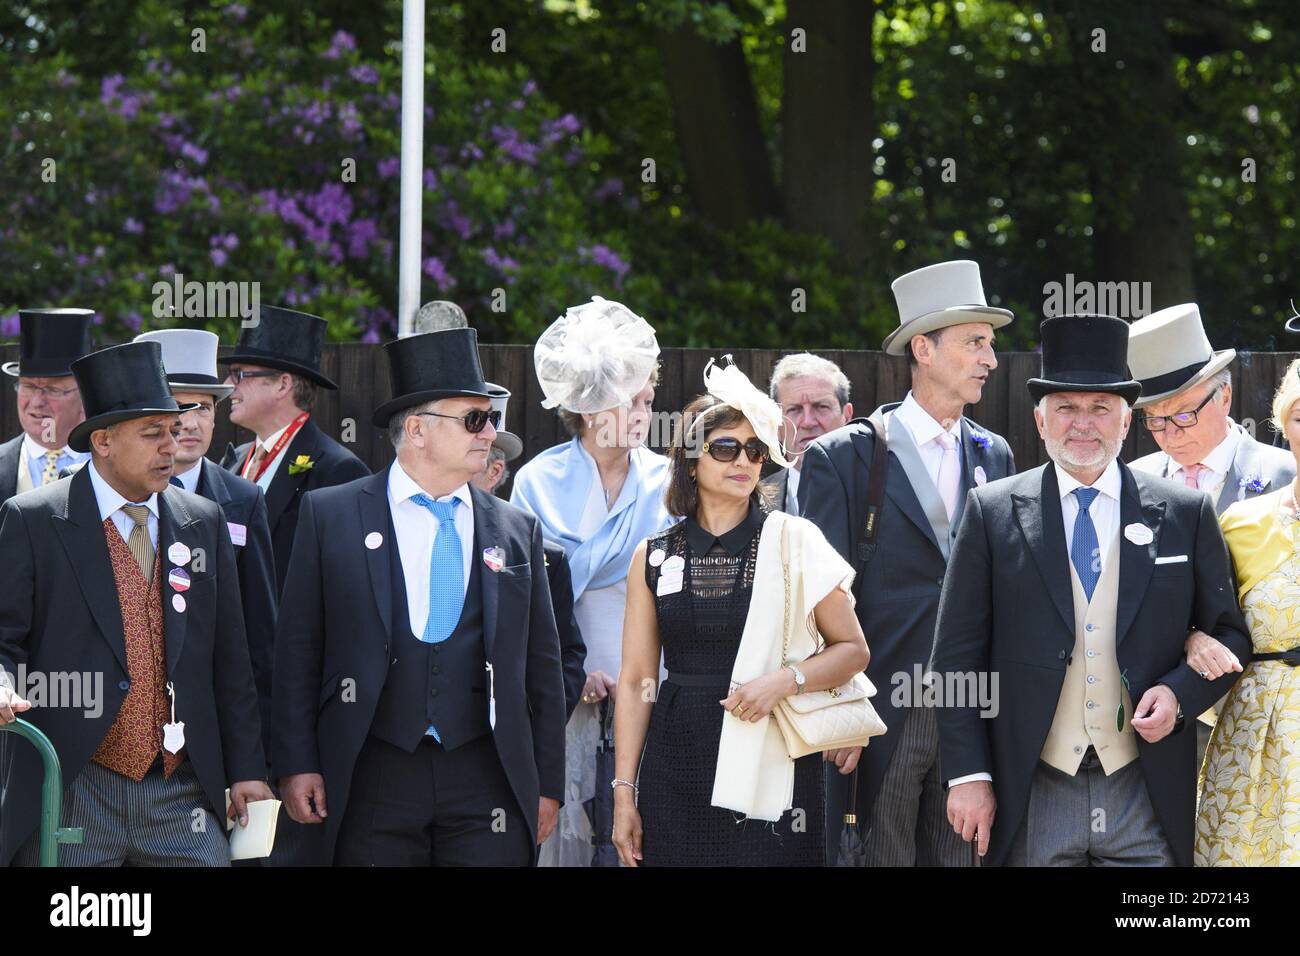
(258, 457)
(949, 478)
(1084, 551)
(1192, 475)
(138, 543)
(51, 472)
(177, 482)
(446, 572)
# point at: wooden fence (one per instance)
(362, 374)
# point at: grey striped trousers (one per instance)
(156, 822)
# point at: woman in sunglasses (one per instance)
(716, 786)
(599, 495)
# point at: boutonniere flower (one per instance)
(983, 439)
(300, 464)
(1251, 483)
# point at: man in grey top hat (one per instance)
(1186, 398)
(935, 456)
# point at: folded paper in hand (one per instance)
(254, 841)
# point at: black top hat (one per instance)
(120, 383)
(50, 340)
(432, 365)
(1085, 353)
(283, 339)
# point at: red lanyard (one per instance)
(275, 449)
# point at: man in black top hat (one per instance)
(419, 704)
(1075, 586)
(275, 369)
(121, 591)
(49, 405)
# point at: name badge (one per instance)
(1139, 534)
(668, 584)
(238, 534)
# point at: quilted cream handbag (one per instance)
(823, 719)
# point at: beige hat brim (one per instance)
(1216, 364)
(896, 342)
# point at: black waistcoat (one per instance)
(442, 684)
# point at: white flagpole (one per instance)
(408, 256)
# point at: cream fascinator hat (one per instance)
(732, 387)
(594, 357)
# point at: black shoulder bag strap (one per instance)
(866, 544)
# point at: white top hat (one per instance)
(937, 296)
(190, 360)
(1168, 352)
(508, 442)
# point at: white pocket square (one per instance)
(1172, 559)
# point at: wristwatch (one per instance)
(798, 678)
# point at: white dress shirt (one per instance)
(34, 457)
(925, 431)
(1214, 467)
(792, 483)
(1104, 508)
(190, 479)
(416, 527)
(110, 504)
(1105, 518)
(265, 481)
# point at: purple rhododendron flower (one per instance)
(604, 256)
(218, 257)
(435, 270)
(9, 325)
(365, 73)
(390, 167)
(132, 227)
(342, 42)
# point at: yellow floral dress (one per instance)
(1248, 813)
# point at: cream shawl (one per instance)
(755, 775)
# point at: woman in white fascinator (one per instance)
(705, 777)
(599, 495)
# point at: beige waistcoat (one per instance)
(1091, 694)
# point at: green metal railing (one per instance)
(51, 794)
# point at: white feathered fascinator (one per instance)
(731, 386)
(596, 356)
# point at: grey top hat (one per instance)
(508, 442)
(937, 296)
(1168, 352)
(190, 360)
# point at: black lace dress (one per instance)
(700, 627)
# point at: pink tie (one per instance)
(949, 480)
(1191, 476)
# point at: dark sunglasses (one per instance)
(1157, 423)
(475, 420)
(728, 449)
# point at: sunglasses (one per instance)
(475, 420)
(728, 449)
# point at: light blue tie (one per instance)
(446, 572)
(1084, 551)
(446, 577)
